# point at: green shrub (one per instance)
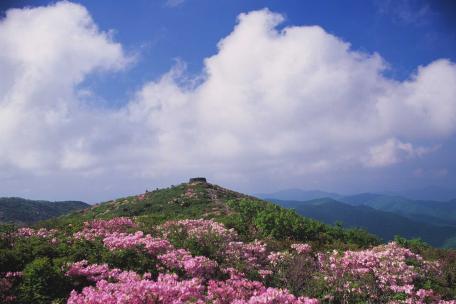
(42, 282)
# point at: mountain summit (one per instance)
(199, 199)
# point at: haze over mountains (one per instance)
(431, 193)
(382, 214)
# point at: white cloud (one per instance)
(287, 103)
(394, 151)
(45, 53)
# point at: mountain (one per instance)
(198, 199)
(433, 193)
(23, 211)
(384, 224)
(298, 195)
(433, 212)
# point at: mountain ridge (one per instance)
(253, 216)
(21, 211)
(382, 223)
(430, 211)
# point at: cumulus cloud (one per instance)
(45, 53)
(287, 103)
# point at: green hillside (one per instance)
(23, 211)
(252, 217)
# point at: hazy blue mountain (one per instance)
(382, 223)
(23, 211)
(433, 193)
(298, 195)
(435, 212)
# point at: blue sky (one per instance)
(128, 78)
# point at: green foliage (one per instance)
(129, 259)
(92, 251)
(209, 245)
(259, 219)
(416, 245)
(42, 282)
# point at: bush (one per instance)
(42, 282)
(271, 221)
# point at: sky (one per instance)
(101, 99)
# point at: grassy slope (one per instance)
(160, 205)
(252, 217)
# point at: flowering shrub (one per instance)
(201, 237)
(279, 296)
(198, 229)
(235, 288)
(153, 246)
(7, 281)
(92, 272)
(302, 248)
(377, 273)
(181, 259)
(167, 289)
(277, 258)
(40, 233)
(250, 256)
(101, 228)
(201, 261)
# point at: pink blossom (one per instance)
(198, 266)
(198, 229)
(302, 248)
(40, 233)
(153, 246)
(101, 228)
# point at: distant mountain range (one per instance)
(434, 193)
(23, 211)
(381, 214)
(434, 212)
(295, 194)
(431, 193)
